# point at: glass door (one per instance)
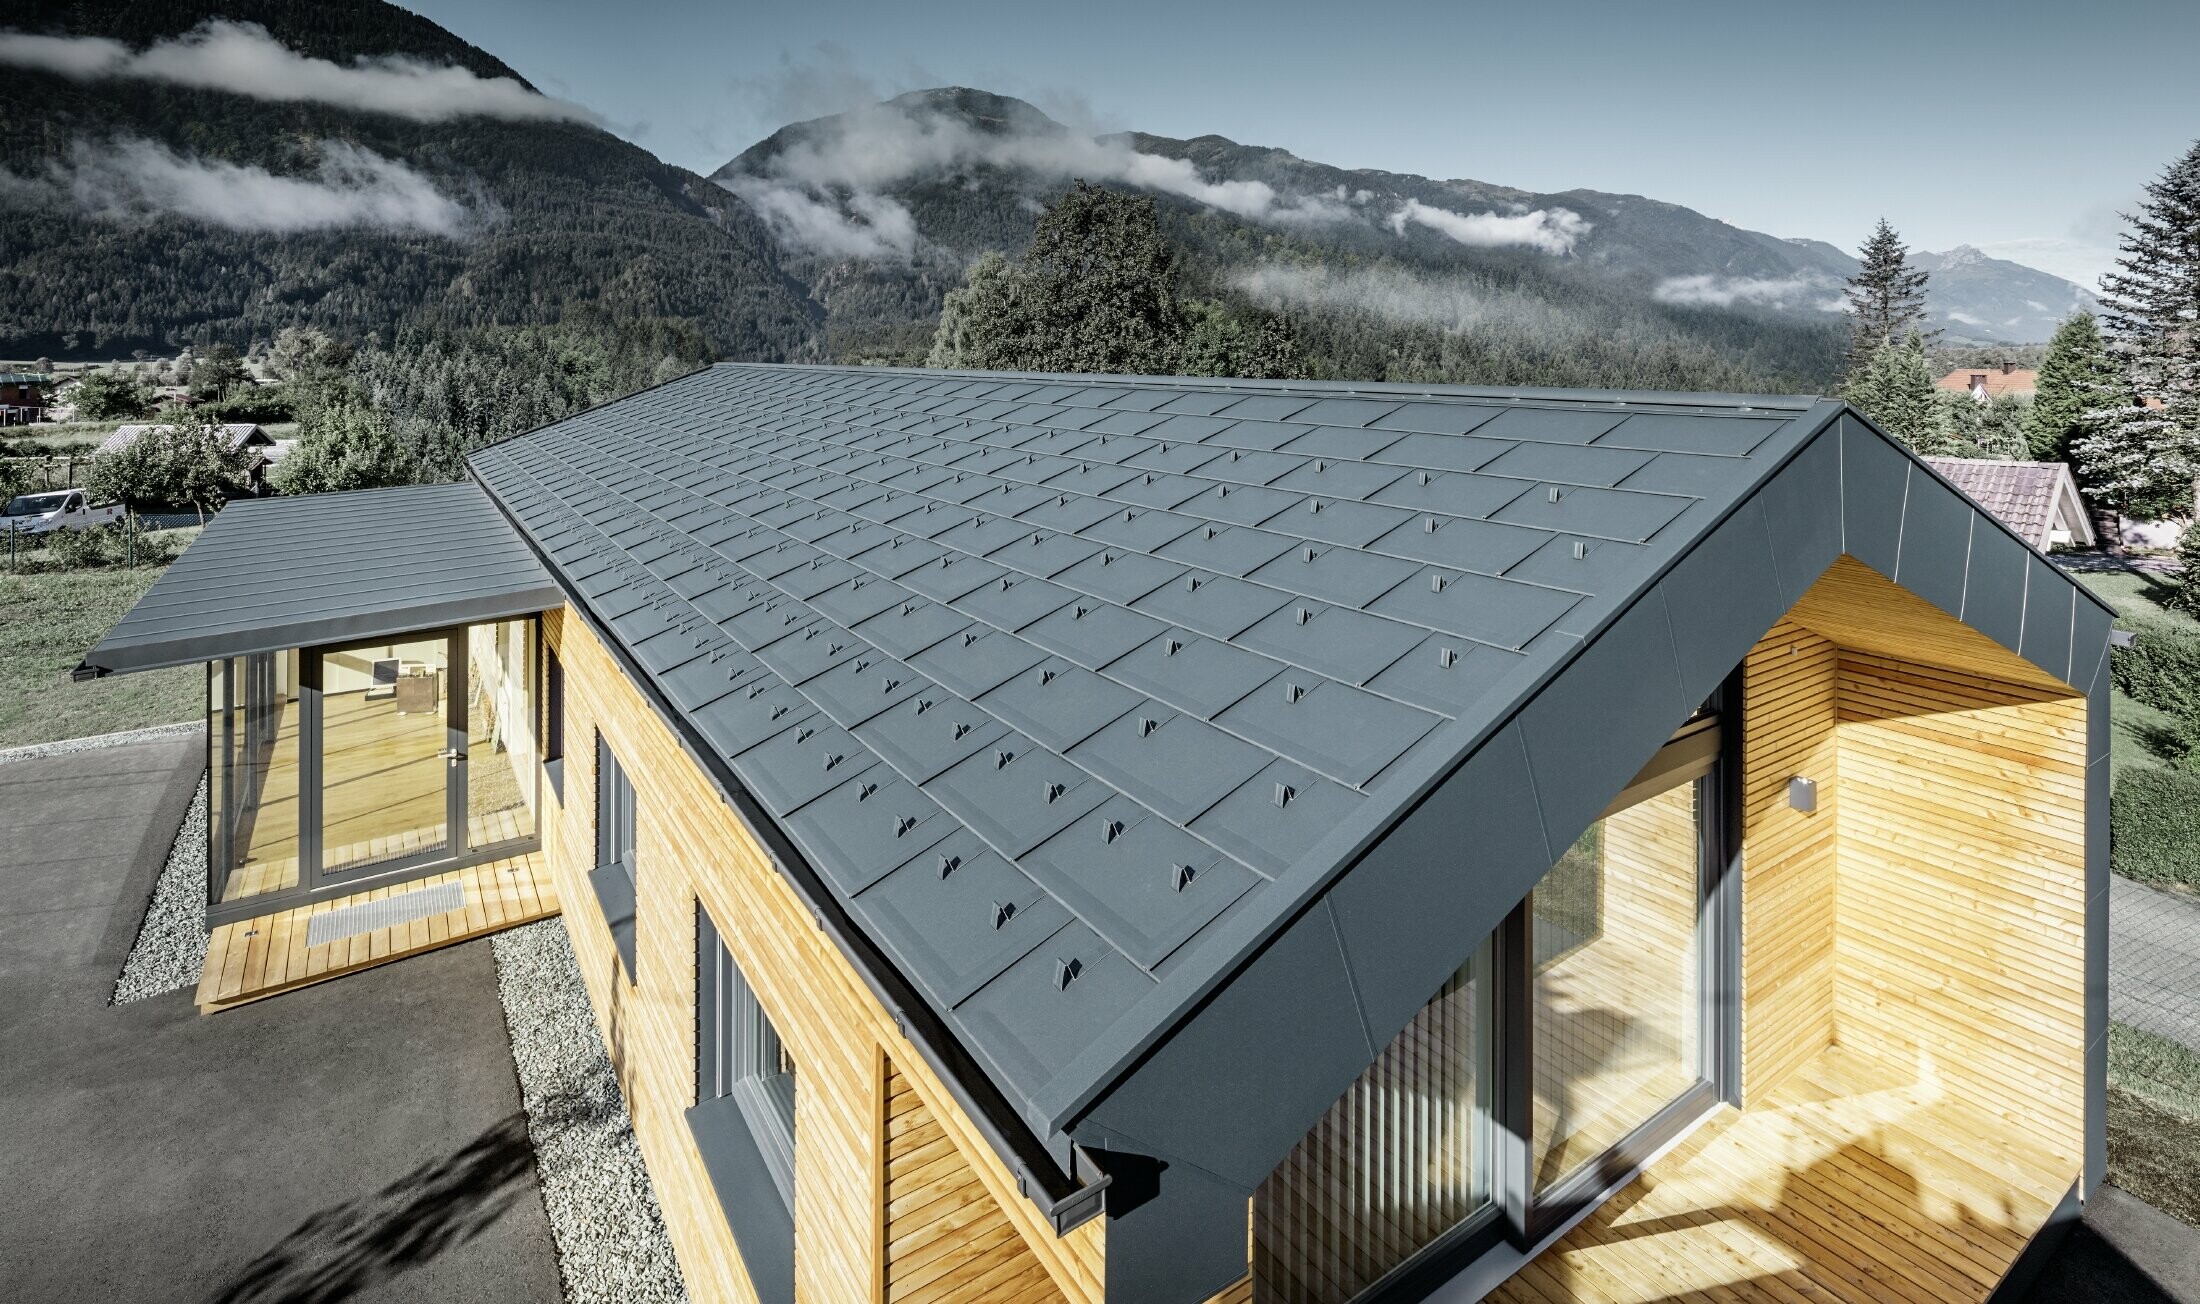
(392, 772)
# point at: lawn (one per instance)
(2154, 1121)
(2138, 594)
(2139, 735)
(51, 618)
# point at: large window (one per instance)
(335, 766)
(614, 877)
(738, 1054)
(1536, 1076)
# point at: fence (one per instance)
(43, 471)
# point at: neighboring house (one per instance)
(2037, 500)
(259, 449)
(1042, 837)
(1991, 382)
(24, 397)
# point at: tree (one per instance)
(1251, 345)
(302, 351)
(1095, 292)
(345, 442)
(107, 396)
(1886, 296)
(179, 465)
(1896, 391)
(1970, 428)
(2151, 303)
(2077, 378)
(216, 375)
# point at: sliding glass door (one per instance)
(392, 753)
(1579, 1038)
(335, 766)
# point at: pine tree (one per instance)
(1886, 296)
(1895, 389)
(2076, 378)
(2151, 303)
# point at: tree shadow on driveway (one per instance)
(349, 1247)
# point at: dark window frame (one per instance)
(614, 878)
(553, 718)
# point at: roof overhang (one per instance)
(271, 574)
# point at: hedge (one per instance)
(2161, 668)
(2154, 826)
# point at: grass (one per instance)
(51, 618)
(2154, 1121)
(2139, 594)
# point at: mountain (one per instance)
(1397, 275)
(1989, 300)
(141, 211)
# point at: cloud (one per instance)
(1551, 230)
(1448, 303)
(825, 191)
(243, 59)
(1750, 291)
(135, 179)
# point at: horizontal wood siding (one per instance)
(1789, 714)
(1962, 867)
(946, 1239)
(692, 847)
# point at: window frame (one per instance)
(739, 1055)
(615, 878)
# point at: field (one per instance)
(2154, 1121)
(50, 618)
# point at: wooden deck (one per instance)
(266, 955)
(1850, 1183)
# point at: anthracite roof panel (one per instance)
(296, 572)
(1148, 750)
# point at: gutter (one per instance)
(1066, 1200)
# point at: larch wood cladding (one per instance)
(1962, 901)
(946, 1239)
(694, 848)
(1789, 714)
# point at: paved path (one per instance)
(358, 1140)
(2154, 960)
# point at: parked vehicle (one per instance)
(58, 509)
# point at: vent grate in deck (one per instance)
(367, 916)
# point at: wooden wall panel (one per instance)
(946, 1239)
(693, 847)
(1789, 715)
(1962, 871)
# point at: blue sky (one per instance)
(2020, 127)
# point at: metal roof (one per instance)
(1142, 722)
(277, 573)
(1117, 629)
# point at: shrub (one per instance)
(2154, 826)
(81, 549)
(2187, 595)
(2161, 668)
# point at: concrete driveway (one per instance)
(362, 1138)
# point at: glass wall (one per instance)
(1394, 1165)
(501, 758)
(385, 753)
(330, 764)
(253, 725)
(1617, 998)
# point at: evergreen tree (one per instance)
(2151, 303)
(2076, 378)
(1896, 391)
(1886, 296)
(1095, 292)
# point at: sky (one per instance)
(2022, 128)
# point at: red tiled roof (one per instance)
(1995, 381)
(2028, 497)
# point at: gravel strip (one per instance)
(62, 748)
(611, 1239)
(171, 943)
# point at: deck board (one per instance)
(266, 955)
(1852, 1182)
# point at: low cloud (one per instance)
(136, 179)
(1449, 303)
(1551, 230)
(242, 59)
(1749, 291)
(860, 226)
